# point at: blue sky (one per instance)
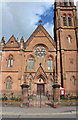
(22, 18)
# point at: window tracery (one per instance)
(69, 21)
(64, 21)
(10, 61)
(73, 80)
(9, 83)
(50, 63)
(40, 51)
(30, 64)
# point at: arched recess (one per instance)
(10, 60)
(30, 62)
(41, 78)
(64, 20)
(8, 82)
(50, 62)
(69, 19)
(73, 80)
(40, 44)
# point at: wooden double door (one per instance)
(40, 87)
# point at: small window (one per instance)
(30, 64)
(65, 3)
(50, 63)
(8, 83)
(10, 61)
(73, 80)
(64, 21)
(69, 39)
(70, 2)
(69, 21)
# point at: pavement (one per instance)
(32, 112)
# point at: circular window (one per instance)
(40, 51)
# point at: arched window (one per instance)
(10, 61)
(9, 83)
(30, 85)
(69, 21)
(73, 80)
(30, 64)
(70, 2)
(65, 3)
(64, 21)
(69, 39)
(50, 63)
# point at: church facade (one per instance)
(40, 61)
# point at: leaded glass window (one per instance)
(50, 63)
(69, 39)
(73, 80)
(8, 83)
(30, 65)
(10, 61)
(64, 21)
(69, 21)
(65, 3)
(40, 51)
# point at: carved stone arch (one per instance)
(69, 36)
(11, 56)
(29, 56)
(64, 14)
(41, 76)
(50, 56)
(40, 44)
(70, 15)
(73, 76)
(8, 77)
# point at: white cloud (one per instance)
(50, 29)
(20, 18)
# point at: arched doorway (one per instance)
(40, 88)
(40, 85)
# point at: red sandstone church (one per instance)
(41, 60)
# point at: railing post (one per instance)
(40, 98)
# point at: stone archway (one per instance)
(40, 87)
(40, 84)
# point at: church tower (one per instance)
(65, 23)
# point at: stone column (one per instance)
(56, 94)
(24, 97)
